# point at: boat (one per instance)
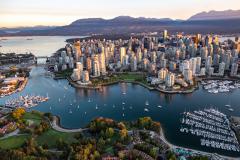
(123, 103)
(130, 107)
(50, 108)
(89, 100)
(227, 105)
(123, 114)
(146, 110)
(70, 111)
(146, 103)
(96, 107)
(124, 93)
(59, 99)
(159, 106)
(231, 109)
(85, 112)
(29, 39)
(78, 106)
(113, 106)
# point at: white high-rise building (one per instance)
(187, 74)
(76, 76)
(198, 65)
(170, 79)
(102, 63)
(122, 54)
(234, 69)
(208, 62)
(79, 66)
(162, 73)
(85, 76)
(96, 66)
(193, 65)
(134, 63)
(221, 68)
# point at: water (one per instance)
(110, 104)
(39, 45)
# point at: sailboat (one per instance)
(146, 103)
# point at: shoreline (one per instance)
(19, 89)
(57, 126)
(74, 84)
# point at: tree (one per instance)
(123, 133)
(18, 113)
(109, 132)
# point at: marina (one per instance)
(219, 86)
(27, 101)
(213, 128)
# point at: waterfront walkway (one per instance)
(55, 125)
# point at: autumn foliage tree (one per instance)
(18, 113)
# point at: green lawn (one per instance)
(13, 142)
(32, 117)
(130, 76)
(52, 136)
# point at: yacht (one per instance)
(231, 109)
(146, 110)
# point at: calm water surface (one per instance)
(64, 98)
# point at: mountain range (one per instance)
(219, 22)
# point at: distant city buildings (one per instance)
(172, 59)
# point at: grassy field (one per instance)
(13, 142)
(65, 73)
(32, 117)
(52, 136)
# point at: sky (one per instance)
(16, 13)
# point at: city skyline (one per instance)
(55, 13)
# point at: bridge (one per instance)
(41, 59)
